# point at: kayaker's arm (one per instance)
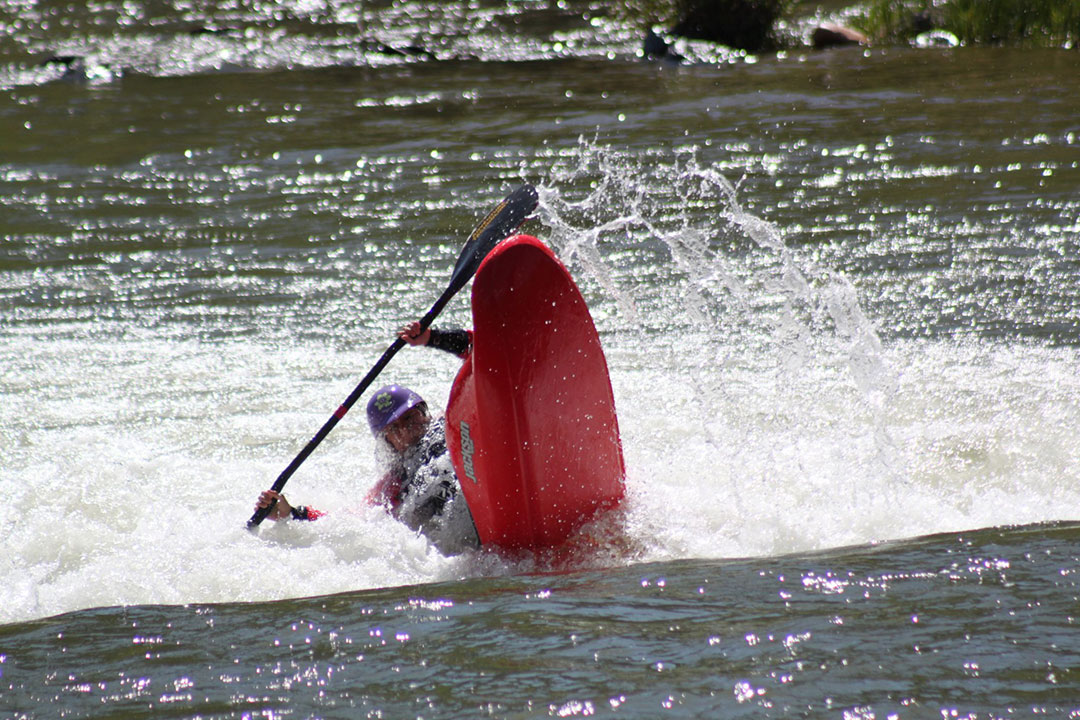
(456, 342)
(303, 512)
(386, 492)
(283, 510)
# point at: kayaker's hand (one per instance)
(281, 511)
(412, 335)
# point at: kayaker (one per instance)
(419, 487)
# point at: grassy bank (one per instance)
(1037, 23)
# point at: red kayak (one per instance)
(531, 418)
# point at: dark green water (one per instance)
(974, 624)
(837, 291)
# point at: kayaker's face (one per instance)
(407, 430)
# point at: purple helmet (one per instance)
(388, 404)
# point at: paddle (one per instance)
(500, 222)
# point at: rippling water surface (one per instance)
(971, 625)
(839, 301)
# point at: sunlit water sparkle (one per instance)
(840, 314)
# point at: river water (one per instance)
(837, 291)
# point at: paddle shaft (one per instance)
(500, 223)
(329, 425)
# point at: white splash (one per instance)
(760, 415)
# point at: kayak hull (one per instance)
(531, 421)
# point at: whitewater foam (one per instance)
(760, 415)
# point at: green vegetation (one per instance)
(1040, 23)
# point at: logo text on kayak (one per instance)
(467, 449)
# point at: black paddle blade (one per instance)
(497, 226)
